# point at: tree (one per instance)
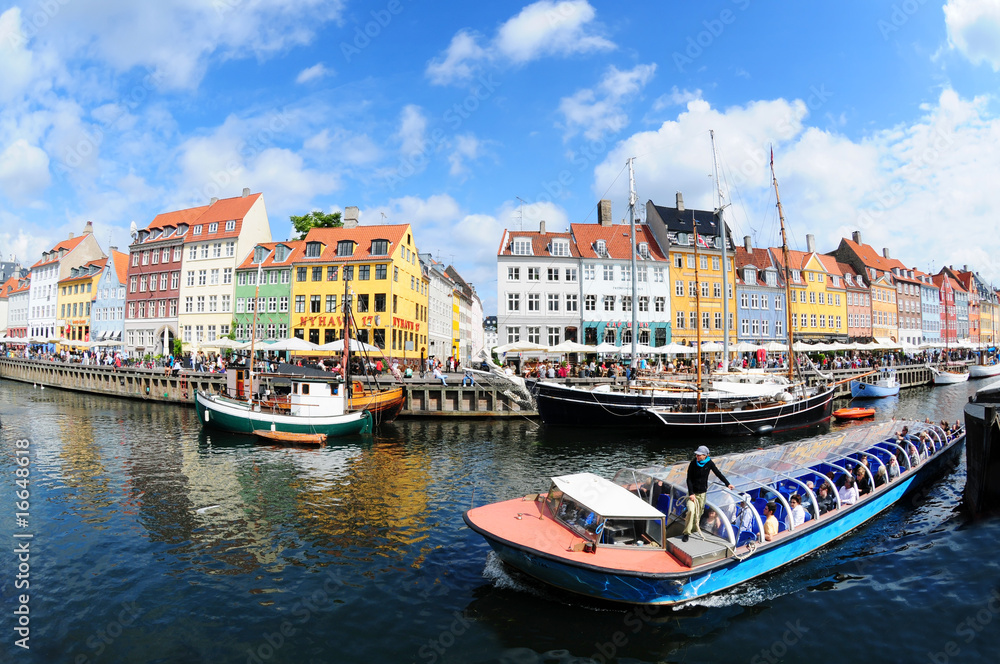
(315, 219)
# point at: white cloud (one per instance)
(317, 71)
(904, 187)
(24, 171)
(675, 97)
(601, 112)
(544, 28)
(348, 148)
(412, 130)
(467, 147)
(974, 29)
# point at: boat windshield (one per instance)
(605, 512)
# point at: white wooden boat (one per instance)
(947, 377)
(984, 370)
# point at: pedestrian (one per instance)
(438, 375)
(697, 486)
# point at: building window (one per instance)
(590, 303)
(553, 302)
(300, 304)
(331, 304)
(382, 272)
(379, 302)
(718, 320)
(609, 272)
(571, 302)
(534, 274)
(513, 334)
(301, 274)
(362, 302)
(317, 273)
(534, 302)
(364, 272)
(553, 274)
(513, 302)
(589, 272)
(345, 248)
(534, 334)
(609, 302)
(380, 248)
(522, 247)
(513, 273)
(643, 303)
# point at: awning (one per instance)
(605, 497)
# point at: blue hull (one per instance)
(860, 390)
(665, 589)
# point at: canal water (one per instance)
(154, 541)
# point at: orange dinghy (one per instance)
(289, 438)
(853, 413)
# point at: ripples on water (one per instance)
(358, 549)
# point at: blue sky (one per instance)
(883, 117)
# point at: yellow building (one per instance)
(387, 290)
(885, 324)
(76, 295)
(818, 301)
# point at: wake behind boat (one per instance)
(617, 540)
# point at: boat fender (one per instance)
(764, 429)
(786, 397)
(206, 414)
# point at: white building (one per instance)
(55, 264)
(18, 296)
(440, 308)
(470, 318)
(217, 241)
(538, 287)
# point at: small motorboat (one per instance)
(290, 438)
(885, 386)
(984, 370)
(853, 413)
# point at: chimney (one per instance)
(680, 202)
(215, 199)
(541, 227)
(70, 235)
(965, 268)
(604, 217)
(746, 244)
(246, 191)
(351, 216)
(856, 236)
(885, 252)
(811, 243)
(111, 250)
(89, 228)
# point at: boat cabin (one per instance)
(317, 397)
(604, 513)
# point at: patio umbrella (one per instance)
(746, 347)
(675, 349)
(356, 346)
(775, 347)
(711, 347)
(521, 347)
(294, 344)
(571, 347)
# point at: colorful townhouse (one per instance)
(18, 296)
(264, 289)
(908, 303)
(859, 306)
(538, 287)
(605, 250)
(760, 296)
(947, 290)
(877, 270)
(386, 290)
(818, 306)
(696, 242)
(441, 307)
(216, 243)
(55, 264)
(107, 319)
(930, 309)
(76, 297)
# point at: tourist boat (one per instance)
(734, 405)
(886, 386)
(948, 376)
(984, 370)
(853, 413)
(619, 540)
(288, 438)
(315, 405)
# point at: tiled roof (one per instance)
(617, 239)
(176, 218)
(845, 270)
(98, 263)
(362, 235)
(220, 212)
(680, 220)
(952, 278)
(872, 258)
(831, 265)
(121, 265)
(69, 245)
(297, 248)
(8, 286)
(539, 243)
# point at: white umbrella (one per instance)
(640, 348)
(291, 344)
(606, 348)
(356, 345)
(775, 347)
(520, 347)
(675, 349)
(711, 347)
(570, 347)
(222, 343)
(746, 347)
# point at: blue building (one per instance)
(930, 309)
(760, 297)
(107, 316)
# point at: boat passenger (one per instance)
(863, 480)
(911, 449)
(881, 477)
(697, 486)
(770, 521)
(712, 523)
(825, 501)
(806, 502)
(798, 514)
(893, 467)
(848, 491)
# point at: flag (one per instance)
(772, 156)
(702, 242)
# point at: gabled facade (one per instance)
(55, 264)
(885, 325)
(538, 287)
(760, 296)
(859, 306)
(818, 307)
(388, 298)
(948, 290)
(908, 303)
(76, 298)
(930, 308)
(18, 296)
(981, 306)
(264, 288)
(606, 283)
(696, 271)
(440, 308)
(469, 318)
(218, 240)
(107, 318)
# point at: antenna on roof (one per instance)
(520, 223)
(383, 216)
(133, 230)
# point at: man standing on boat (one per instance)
(697, 486)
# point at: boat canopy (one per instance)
(605, 497)
(762, 467)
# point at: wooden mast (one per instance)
(346, 355)
(697, 305)
(253, 326)
(788, 272)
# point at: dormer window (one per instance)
(231, 225)
(182, 229)
(259, 254)
(168, 231)
(559, 248)
(314, 249)
(796, 276)
(280, 253)
(682, 239)
(213, 227)
(644, 250)
(601, 248)
(772, 278)
(835, 280)
(521, 246)
(197, 229)
(380, 248)
(344, 248)
(749, 275)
